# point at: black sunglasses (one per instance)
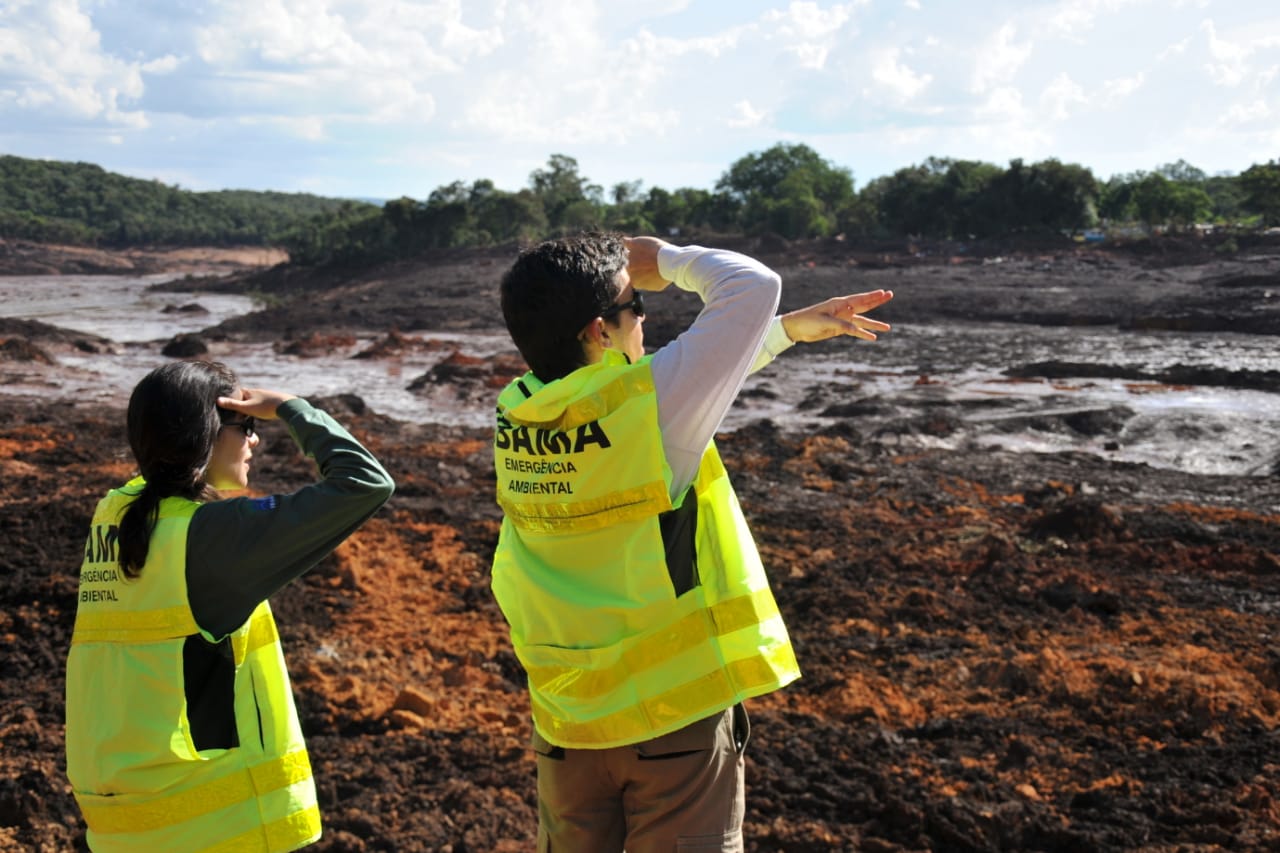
(635, 303)
(249, 425)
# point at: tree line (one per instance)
(788, 190)
(83, 204)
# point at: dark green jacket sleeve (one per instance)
(242, 550)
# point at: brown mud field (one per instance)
(1049, 652)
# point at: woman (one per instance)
(181, 728)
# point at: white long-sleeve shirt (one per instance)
(699, 374)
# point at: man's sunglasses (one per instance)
(635, 303)
(249, 425)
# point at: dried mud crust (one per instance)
(1000, 652)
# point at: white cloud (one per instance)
(52, 63)
(1003, 105)
(401, 35)
(652, 9)
(745, 115)
(1003, 128)
(598, 89)
(1122, 87)
(807, 31)
(1075, 19)
(1061, 96)
(644, 46)
(807, 20)
(892, 75)
(1228, 64)
(404, 95)
(1250, 113)
(997, 61)
(382, 62)
(163, 65)
(1072, 20)
(1176, 49)
(311, 129)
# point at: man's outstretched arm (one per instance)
(840, 315)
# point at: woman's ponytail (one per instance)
(135, 531)
(172, 425)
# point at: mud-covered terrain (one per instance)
(22, 257)
(1000, 651)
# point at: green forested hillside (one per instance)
(793, 192)
(788, 190)
(52, 201)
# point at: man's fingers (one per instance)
(860, 302)
(852, 328)
(868, 323)
(859, 332)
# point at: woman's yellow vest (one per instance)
(632, 617)
(136, 772)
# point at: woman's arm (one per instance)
(241, 551)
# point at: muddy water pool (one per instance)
(920, 385)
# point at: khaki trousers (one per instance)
(679, 792)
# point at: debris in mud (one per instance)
(396, 343)
(189, 308)
(20, 349)
(316, 344)
(185, 346)
(469, 377)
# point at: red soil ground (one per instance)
(1001, 652)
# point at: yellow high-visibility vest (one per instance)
(135, 770)
(632, 617)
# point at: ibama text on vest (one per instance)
(542, 442)
(101, 546)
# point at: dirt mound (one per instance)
(34, 334)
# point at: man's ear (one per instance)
(596, 333)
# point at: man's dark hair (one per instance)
(553, 290)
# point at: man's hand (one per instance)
(642, 263)
(841, 315)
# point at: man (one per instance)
(636, 599)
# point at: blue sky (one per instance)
(383, 98)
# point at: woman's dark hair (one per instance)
(554, 289)
(173, 423)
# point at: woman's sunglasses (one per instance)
(249, 425)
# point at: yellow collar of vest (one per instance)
(549, 403)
